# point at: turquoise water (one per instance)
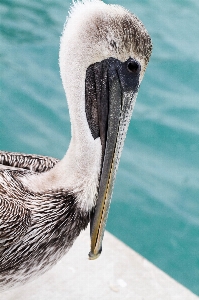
(155, 206)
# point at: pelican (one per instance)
(44, 202)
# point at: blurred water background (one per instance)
(155, 206)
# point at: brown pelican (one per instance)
(45, 203)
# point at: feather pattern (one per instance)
(36, 163)
(36, 229)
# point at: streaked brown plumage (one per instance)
(36, 229)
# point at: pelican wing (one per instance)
(15, 219)
(35, 163)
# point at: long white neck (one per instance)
(78, 171)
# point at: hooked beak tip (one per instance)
(93, 256)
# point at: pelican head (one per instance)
(104, 53)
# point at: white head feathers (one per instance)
(95, 31)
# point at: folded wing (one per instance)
(15, 217)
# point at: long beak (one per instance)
(116, 86)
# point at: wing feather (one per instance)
(35, 163)
(15, 219)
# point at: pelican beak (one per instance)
(111, 90)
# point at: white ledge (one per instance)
(119, 273)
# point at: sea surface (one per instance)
(155, 205)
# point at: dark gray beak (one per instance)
(111, 90)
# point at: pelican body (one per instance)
(44, 202)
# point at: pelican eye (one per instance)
(133, 66)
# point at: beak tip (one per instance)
(93, 256)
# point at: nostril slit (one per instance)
(133, 66)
